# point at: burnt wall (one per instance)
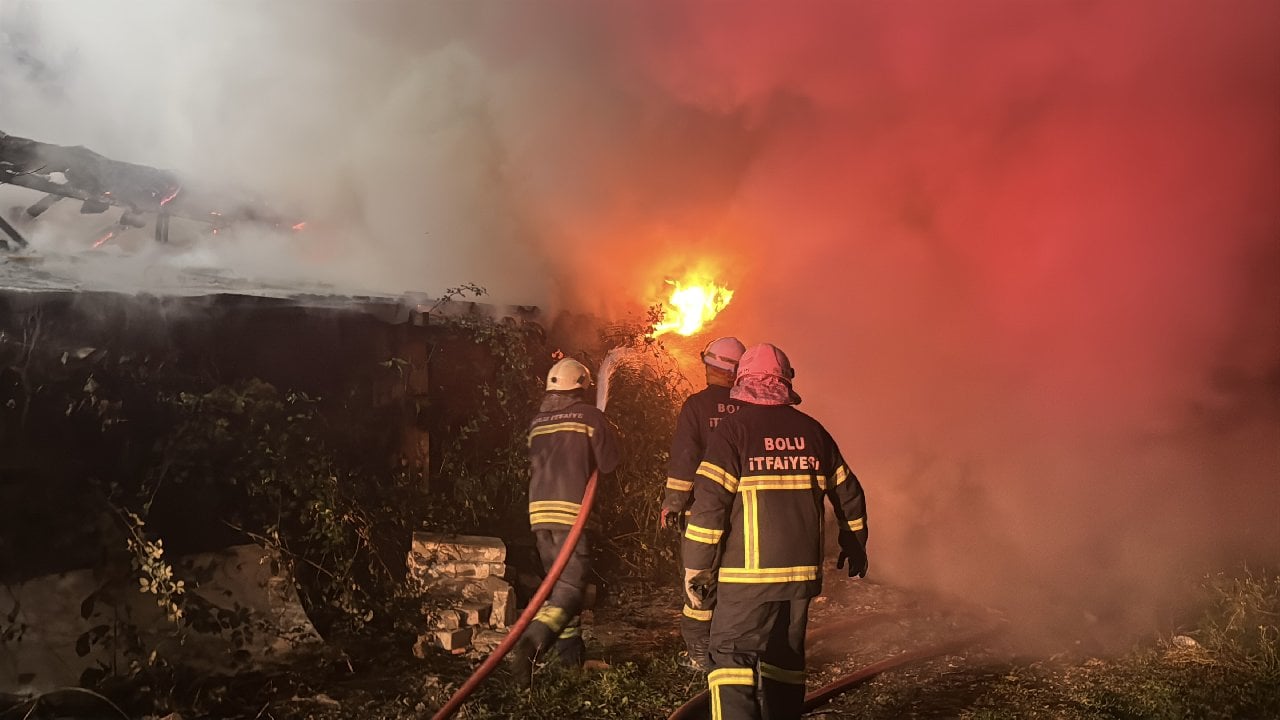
(70, 363)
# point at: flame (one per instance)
(300, 226)
(693, 303)
(171, 196)
(109, 234)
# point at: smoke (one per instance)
(1023, 255)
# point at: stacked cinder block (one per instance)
(467, 603)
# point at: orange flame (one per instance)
(694, 302)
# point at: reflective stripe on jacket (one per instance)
(759, 492)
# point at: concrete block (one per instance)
(438, 548)
(486, 641)
(478, 570)
(458, 639)
(484, 588)
(447, 619)
(475, 613)
(503, 613)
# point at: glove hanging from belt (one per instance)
(697, 584)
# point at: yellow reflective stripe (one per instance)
(552, 518)
(553, 617)
(717, 475)
(781, 482)
(703, 615)
(856, 525)
(726, 676)
(731, 676)
(751, 529)
(773, 672)
(679, 485)
(842, 474)
(571, 632)
(577, 427)
(555, 506)
(554, 512)
(697, 533)
(769, 575)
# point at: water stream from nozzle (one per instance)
(605, 373)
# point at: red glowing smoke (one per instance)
(1023, 256)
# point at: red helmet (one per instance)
(723, 353)
(765, 359)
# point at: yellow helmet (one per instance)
(568, 374)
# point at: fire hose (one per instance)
(696, 707)
(535, 604)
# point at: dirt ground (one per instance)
(855, 624)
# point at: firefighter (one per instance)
(756, 528)
(568, 439)
(698, 418)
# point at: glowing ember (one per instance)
(171, 196)
(299, 226)
(692, 304)
(110, 234)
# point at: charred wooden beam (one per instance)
(99, 182)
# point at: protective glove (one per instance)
(855, 554)
(696, 583)
(669, 519)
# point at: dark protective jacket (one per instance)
(759, 494)
(568, 439)
(698, 418)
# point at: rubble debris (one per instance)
(467, 603)
(71, 620)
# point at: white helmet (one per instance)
(568, 374)
(723, 353)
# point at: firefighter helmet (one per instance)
(723, 353)
(568, 374)
(766, 359)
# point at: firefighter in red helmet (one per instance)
(698, 418)
(569, 438)
(756, 529)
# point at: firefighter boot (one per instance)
(520, 660)
(568, 651)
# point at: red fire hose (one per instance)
(539, 597)
(697, 706)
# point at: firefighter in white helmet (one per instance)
(568, 439)
(756, 528)
(698, 418)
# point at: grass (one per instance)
(627, 691)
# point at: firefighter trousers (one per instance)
(695, 623)
(560, 614)
(757, 659)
